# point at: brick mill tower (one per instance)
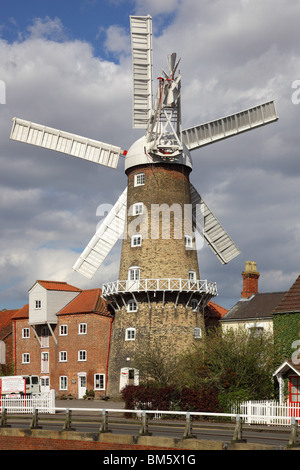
(159, 297)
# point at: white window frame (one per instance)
(138, 208)
(132, 306)
(136, 240)
(130, 334)
(25, 333)
(188, 241)
(26, 358)
(38, 304)
(192, 275)
(99, 381)
(63, 356)
(63, 330)
(63, 382)
(139, 179)
(134, 273)
(82, 356)
(82, 328)
(197, 333)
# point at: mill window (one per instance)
(132, 306)
(139, 179)
(188, 241)
(82, 329)
(63, 356)
(130, 334)
(25, 333)
(136, 240)
(82, 355)
(25, 358)
(134, 273)
(138, 208)
(63, 382)
(99, 381)
(197, 333)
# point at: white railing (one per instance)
(268, 412)
(44, 402)
(170, 285)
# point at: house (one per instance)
(63, 336)
(287, 330)
(254, 310)
(6, 341)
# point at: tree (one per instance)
(156, 364)
(234, 360)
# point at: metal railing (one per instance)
(144, 415)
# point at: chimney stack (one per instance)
(250, 279)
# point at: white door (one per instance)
(45, 384)
(81, 385)
(45, 363)
(128, 376)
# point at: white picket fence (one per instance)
(267, 412)
(43, 402)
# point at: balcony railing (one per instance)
(162, 285)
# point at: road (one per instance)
(85, 420)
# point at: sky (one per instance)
(67, 64)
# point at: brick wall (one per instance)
(162, 319)
(95, 342)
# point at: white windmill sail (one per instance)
(204, 134)
(214, 234)
(104, 239)
(60, 141)
(141, 44)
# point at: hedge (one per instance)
(171, 398)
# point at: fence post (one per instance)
(104, 423)
(35, 420)
(238, 431)
(144, 426)
(3, 421)
(188, 428)
(68, 421)
(293, 434)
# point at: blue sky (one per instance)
(81, 19)
(67, 64)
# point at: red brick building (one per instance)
(6, 341)
(63, 336)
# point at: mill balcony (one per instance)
(159, 285)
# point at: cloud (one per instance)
(234, 55)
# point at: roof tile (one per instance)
(291, 301)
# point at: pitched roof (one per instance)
(87, 301)
(56, 285)
(6, 322)
(22, 313)
(291, 300)
(255, 307)
(214, 310)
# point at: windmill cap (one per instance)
(137, 155)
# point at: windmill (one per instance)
(158, 167)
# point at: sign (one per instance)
(13, 384)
